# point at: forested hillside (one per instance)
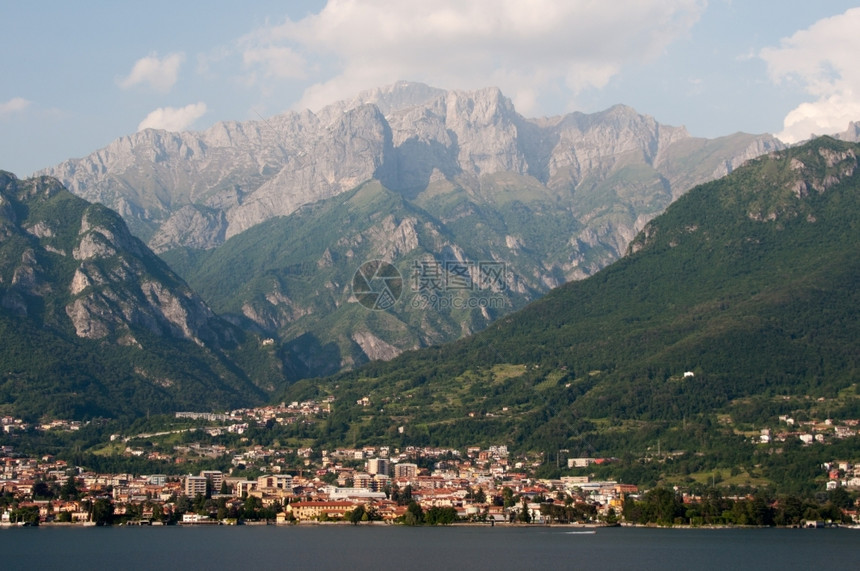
(740, 300)
(93, 323)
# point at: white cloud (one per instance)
(542, 44)
(14, 105)
(173, 119)
(823, 60)
(160, 74)
(280, 62)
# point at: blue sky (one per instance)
(76, 76)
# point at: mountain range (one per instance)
(412, 175)
(93, 323)
(739, 301)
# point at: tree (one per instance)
(157, 511)
(414, 514)
(41, 491)
(662, 506)
(133, 511)
(183, 504)
(28, 515)
(840, 497)
(611, 517)
(252, 507)
(356, 515)
(524, 516)
(370, 514)
(402, 497)
(69, 490)
(508, 497)
(790, 510)
(102, 512)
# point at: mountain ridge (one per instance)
(552, 199)
(280, 163)
(85, 304)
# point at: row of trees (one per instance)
(416, 515)
(663, 506)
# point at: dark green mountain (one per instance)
(291, 277)
(741, 299)
(93, 323)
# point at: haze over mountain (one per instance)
(94, 323)
(457, 177)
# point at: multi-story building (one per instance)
(214, 476)
(303, 511)
(405, 470)
(378, 466)
(195, 485)
(245, 487)
(362, 480)
(380, 481)
(270, 483)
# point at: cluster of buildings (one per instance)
(10, 424)
(809, 431)
(236, 421)
(282, 414)
(841, 474)
(304, 484)
(380, 480)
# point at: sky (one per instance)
(75, 76)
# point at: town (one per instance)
(285, 485)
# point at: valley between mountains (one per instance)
(269, 220)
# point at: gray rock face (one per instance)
(193, 226)
(117, 286)
(198, 189)
(466, 178)
(851, 134)
(113, 289)
(374, 347)
(339, 156)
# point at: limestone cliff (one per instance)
(82, 255)
(199, 188)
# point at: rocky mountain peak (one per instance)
(7, 179)
(7, 213)
(199, 189)
(851, 134)
(398, 96)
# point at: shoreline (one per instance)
(572, 526)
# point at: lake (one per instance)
(389, 547)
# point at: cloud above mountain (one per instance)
(14, 105)
(159, 73)
(823, 60)
(172, 118)
(524, 48)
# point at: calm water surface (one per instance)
(378, 547)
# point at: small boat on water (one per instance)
(583, 532)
